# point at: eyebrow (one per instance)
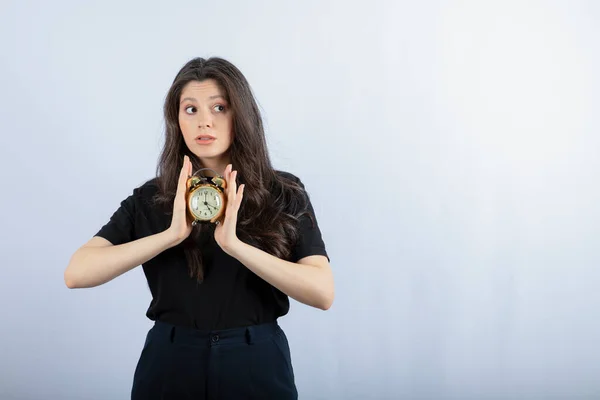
(210, 98)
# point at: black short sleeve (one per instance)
(120, 228)
(310, 241)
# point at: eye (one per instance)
(219, 108)
(192, 108)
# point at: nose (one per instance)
(204, 119)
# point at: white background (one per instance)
(450, 149)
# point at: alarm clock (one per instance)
(205, 197)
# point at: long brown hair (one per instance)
(272, 204)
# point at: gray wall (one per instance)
(450, 148)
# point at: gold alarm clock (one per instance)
(206, 198)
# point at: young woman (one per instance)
(217, 288)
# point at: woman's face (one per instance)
(206, 122)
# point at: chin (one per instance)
(208, 154)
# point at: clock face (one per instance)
(205, 203)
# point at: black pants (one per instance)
(180, 363)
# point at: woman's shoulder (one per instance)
(291, 192)
(146, 192)
(147, 188)
(286, 175)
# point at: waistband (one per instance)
(188, 335)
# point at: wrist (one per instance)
(171, 238)
(234, 248)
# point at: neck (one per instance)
(218, 165)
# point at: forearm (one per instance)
(92, 266)
(308, 284)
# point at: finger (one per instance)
(232, 188)
(239, 196)
(182, 177)
(228, 178)
(228, 173)
(186, 167)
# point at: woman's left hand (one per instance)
(225, 231)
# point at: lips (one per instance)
(205, 137)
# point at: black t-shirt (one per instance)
(230, 295)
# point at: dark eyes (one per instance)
(193, 109)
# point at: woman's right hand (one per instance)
(181, 224)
